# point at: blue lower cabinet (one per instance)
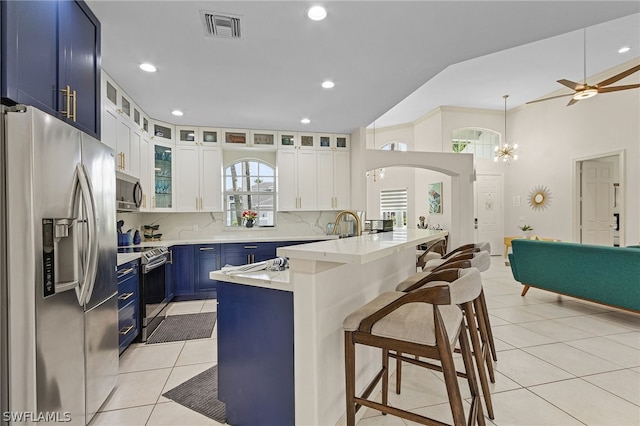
(182, 271)
(207, 259)
(128, 303)
(245, 253)
(255, 355)
(191, 267)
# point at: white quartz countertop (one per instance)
(278, 280)
(218, 239)
(127, 257)
(362, 249)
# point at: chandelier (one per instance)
(505, 152)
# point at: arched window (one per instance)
(480, 142)
(394, 146)
(249, 184)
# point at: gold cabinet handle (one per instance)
(250, 247)
(126, 330)
(207, 248)
(124, 161)
(196, 203)
(144, 200)
(125, 296)
(170, 261)
(201, 203)
(67, 94)
(73, 116)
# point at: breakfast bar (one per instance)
(280, 333)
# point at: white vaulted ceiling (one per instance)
(464, 53)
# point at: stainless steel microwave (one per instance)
(128, 193)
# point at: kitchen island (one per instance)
(285, 328)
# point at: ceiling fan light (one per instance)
(585, 94)
(317, 13)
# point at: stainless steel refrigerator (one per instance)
(60, 277)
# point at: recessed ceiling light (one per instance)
(328, 84)
(147, 67)
(305, 121)
(317, 13)
(624, 49)
(177, 112)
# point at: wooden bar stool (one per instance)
(424, 323)
(482, 261)
(473, 247)
(464, 275)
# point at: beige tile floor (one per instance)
(561, 361)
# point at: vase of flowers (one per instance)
(249, 217)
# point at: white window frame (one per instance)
(232, 223)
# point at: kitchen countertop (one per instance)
(218, 239)
(362, 249)
(277, 280)
(355, 250)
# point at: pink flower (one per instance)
(249, 215)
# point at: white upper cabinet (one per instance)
(235, 138)
(265, 139)
(254, 139)
(297, 140)
(334, 180)
(209, 136)
(186, 135)
(162, 132)
(145, 172)
(198, 178)
(333, 141)
(297, 184)
(162, 176)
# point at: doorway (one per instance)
(488, 222)
(599, 201)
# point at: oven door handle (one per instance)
(154, 264)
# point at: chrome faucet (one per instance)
(343, 213)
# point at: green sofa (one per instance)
(601, 274)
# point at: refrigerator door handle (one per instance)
(92, 234)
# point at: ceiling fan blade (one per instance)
(572, 101)
(552, 97)
(620, 76)
(571, 84)
(617, 88)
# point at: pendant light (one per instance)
(505, 152)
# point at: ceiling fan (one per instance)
(585, 91)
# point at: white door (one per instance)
(596, 210)
(489, 222)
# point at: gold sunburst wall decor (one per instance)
(539, 198)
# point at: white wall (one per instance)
(551, 137)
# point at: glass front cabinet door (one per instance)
(163, 172)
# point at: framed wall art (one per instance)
(435, 197)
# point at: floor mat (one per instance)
(200, 393)
(184, 327)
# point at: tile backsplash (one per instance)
(197, 226)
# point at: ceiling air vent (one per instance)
(221, 24)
